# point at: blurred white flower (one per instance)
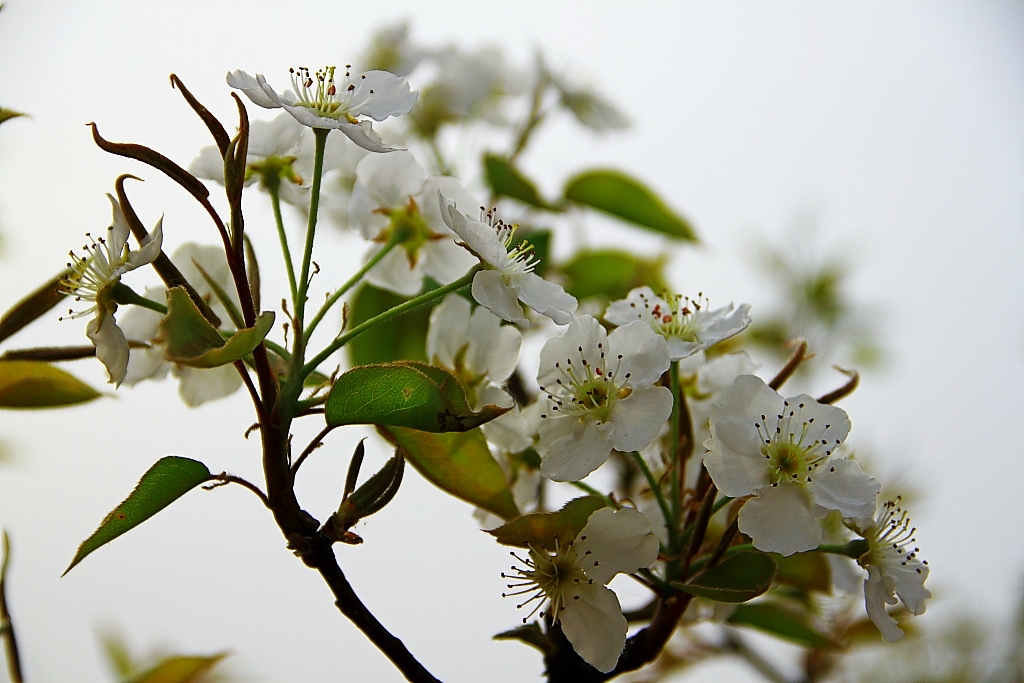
(197, 385)
(601, 395)
(686, 323)
(318, 101)
(511, 278)
(568, 582)
(893, 567)
(480, 351)
(93, 279)
(393, 198)
(779, 450)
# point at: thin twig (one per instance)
(6, 625)
(798, 357)
(312, 446)
(224, 478)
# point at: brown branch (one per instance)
(798, 357)
(224, 478)
(6, 625)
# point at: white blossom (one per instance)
(93, 278)
(480, 351)
(196, 385)
(568, 582)
(687, 324)
(318, 101)
(511, 278)
(601, 395)
(779, 451)
(894, 570)
(393, 193)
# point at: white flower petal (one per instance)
(446, 261)
(779, 520)
(842, 485)
(910, 588)
(493, 348)
(734, 460)
(111, 346)
(386, 95)
(394, 273)
(478, 236)
(254, 90)
(876, 596)
(639, 417)
(644, 354)
(580, 340)
(489, 290)
(199, 385)
(547, 298)
(581, 447)
(592, 621)
(616, 541)
(447, 320)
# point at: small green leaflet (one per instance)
(541, 528)
(781, 621)
(192, 341)
(180, 669)
(627, 198)
(508, 181)
(166, 481)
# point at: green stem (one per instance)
(307, 252)
(374, 260)
(658, 496)
(385, 316)
(273, 183)
(123, 294)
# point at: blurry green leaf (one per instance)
(739, 578)
(35, 384)
(807, 571)
(780, 621)
(626, 198)
(166, 481)
(180, 669)
(541, 528)
(611, 273)
(8, 114)
(32, 306)
(401, 338)
(541, 241)
(193, 341)
(505, 180)
(459, 463)
(404, 394)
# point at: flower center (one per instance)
(521, 257)
(546, 577)
(890, 537)
(320, 93)
(586, 388)
(92, 276)
(791, 453)
(677, 317)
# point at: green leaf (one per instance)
(629, 199)
(180, 669)
(404, 394)
(32, 306)
(166, 481)
(401, 338)
(780, 621)
(35, 384)
(611, 273)
(193, 341)
(459, 463)
(541, 528)
(807, 571)
(739, 578)
(506, 180)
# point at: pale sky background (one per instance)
(898, 127)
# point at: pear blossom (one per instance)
(93, 278)
(779, 451)
(511, 278)
(318, 101)
(687, 324)
(568, 582)
(277, 139)
(601, 395)
(393, 197)
(894, 570)
(196, 385)
(476, 347)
